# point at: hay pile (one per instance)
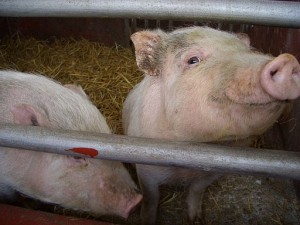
(107, 75)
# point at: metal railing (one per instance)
(276, 13)
(141, 150)
(202, 156)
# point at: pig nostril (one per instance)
(273, 72)
(77, 157)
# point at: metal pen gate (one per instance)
(164, 14)
(277, 13)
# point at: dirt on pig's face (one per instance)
(210, 82)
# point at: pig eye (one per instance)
(193, 60)
(77, 157)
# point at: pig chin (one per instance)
(256, 118)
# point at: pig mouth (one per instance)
(269, 104)
(277, 102)
(253, 100)
(260, 103)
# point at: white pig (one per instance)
(96, 186)
(202, 85)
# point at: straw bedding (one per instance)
(107, 75)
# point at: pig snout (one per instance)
(132, 205)
(280, 78)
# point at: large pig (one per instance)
(96, 186)
(203, 85)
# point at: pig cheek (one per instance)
(38, 184)
(78, 186)
(48, 181)
(195, 116)
(192, 117)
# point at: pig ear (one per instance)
(146, 44)
(25, 114)
(77, 89)
(244, 38)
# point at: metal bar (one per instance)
(149, 151)
(277, 13)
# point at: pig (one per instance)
(100, 187)
(205, 85)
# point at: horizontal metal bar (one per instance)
(149, 151)
(277, 13)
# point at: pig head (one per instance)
(96, 186)
(203, 85)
